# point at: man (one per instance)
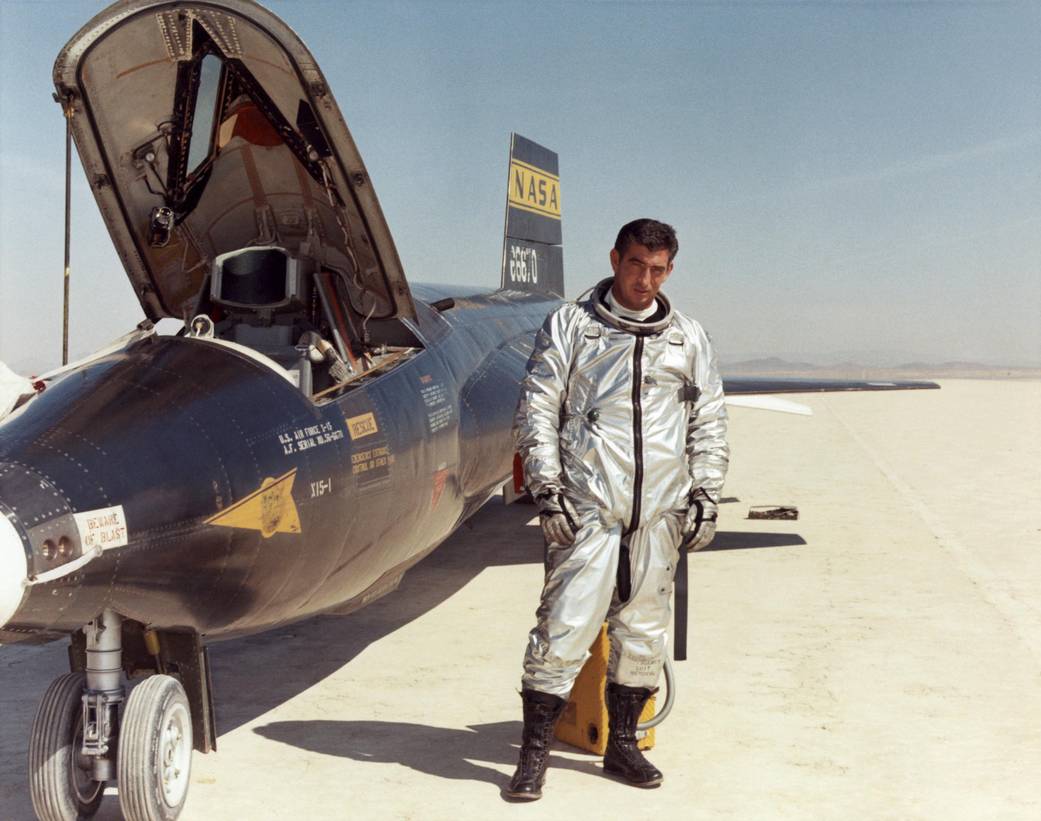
(621, 428)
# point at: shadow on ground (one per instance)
(439, 751)
(309, 651)
(738, 540)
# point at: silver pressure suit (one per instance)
(626, 419)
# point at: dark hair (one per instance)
(651, 234)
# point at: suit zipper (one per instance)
(634, 521)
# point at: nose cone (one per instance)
(13, 569)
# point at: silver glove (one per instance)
(558, 519)
(700, 526)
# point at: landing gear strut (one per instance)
(104, 693)
(87, 732)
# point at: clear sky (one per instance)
(847, 179)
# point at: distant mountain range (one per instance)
(775, 366)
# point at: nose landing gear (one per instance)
(86, 733)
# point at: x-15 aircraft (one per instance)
(315, 429)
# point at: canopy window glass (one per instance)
(207, 98)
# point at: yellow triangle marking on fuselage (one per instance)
(269, 509)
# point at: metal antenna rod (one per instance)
(68, 227)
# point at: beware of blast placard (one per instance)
(102, 529)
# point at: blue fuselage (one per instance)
(246, 503)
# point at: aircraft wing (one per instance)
(737, 385)
(758, 391)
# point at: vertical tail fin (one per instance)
(532, 255)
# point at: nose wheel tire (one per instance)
(155, 751)
(61, 778)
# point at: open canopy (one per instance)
(206, 127)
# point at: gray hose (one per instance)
(670, 699)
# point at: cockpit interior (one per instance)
(309, 320)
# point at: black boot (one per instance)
(623, 758)
(541, 711)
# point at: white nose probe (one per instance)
(13, 570)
